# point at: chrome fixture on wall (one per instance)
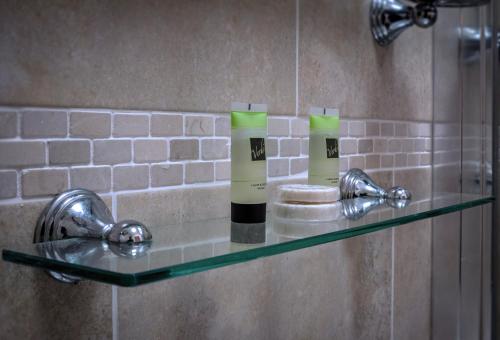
(356, 183)
(389, 18)
(354, 209)
(81, 213)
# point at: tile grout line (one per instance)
(289, 119)
(297, 37)
(393, 254)
(114, 289)
(114, 313)
(114, 112)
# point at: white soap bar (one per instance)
(308, 212)
(308, 194)
(300, 229)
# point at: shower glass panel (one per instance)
(462, 156)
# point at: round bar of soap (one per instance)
(308, 212)
(300, 229)
(308, 194)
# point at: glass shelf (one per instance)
(188, 248)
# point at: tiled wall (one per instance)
(199, 57)
(46, 151)
(86, 66)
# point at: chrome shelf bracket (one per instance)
(82, 213)
(389, 18)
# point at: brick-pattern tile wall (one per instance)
(44, 151)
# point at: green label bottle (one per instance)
(324, 150)
(248, 166)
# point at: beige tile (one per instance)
(446, 275)
(300, 127)
(365, 145)
(340, 311)
(408, 145)
(423, 129)
(471, 272)
(154, 208)
(69, 152)
(167, 207)
(8, 184)
(401, 129)
(127, 177)
(413, 159)
(222, 170)
(112, 151)
(289, 147)
(198, 172)
(372, 161)
(277, 127)
(400, 160)
(412, 281)
(181, 149)
(344, 128)
(197, 252)
(215, 149)
(383, 178)
(343, 164)
(36, 307)
(150, 150)
(272, 147)
(21, 154)
(90, 124)
(44, 123)
(380, 145)
(448, 72)
(222, 126)
(192, 232)
(387, 129)
(395, 145)
(356, 129)
(166, 174)
(348, 146)
(43, 182)
(97, 179)
(277, 167)
(340, 290)
(199, 126)
(357, 162)
(418, 181)
(170, 55)
(304, 147)
(163, 125)
(206, 203)
(425, 159)
(8, 124)
(341, 65)
(446, 129)
(162, 257)
(298, 165)
(130, 125)
(387, 161)
(372, 129)
(420, 145)
(197, 307)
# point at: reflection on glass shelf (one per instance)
(188, 248)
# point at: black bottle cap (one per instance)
(248, 213)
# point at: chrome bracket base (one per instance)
(389, 18)
(356, 183)
(81, 213)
